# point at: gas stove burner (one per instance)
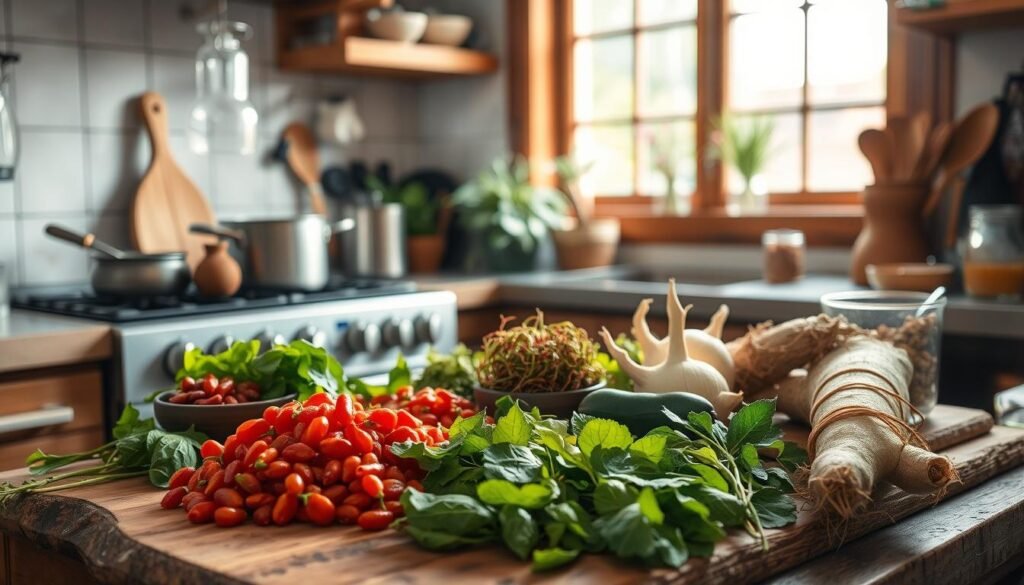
(88, 305)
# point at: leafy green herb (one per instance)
(138, 449)
(455, 372)
(552, 489)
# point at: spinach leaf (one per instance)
(552, 558)
(751, 462)
(613, 495)
(774, 508)
(440, 540)
(603, 433)
(514, 463)
(752, 424)
(513, 427)
(791, 456)
(453, 514)
(429, 458)
(650, 447)
(498, 492)
(130, 423)
(518, 530)
(172, 452)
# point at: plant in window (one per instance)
(666, 152)
(744, 145)
(507, 215)
(592, 241)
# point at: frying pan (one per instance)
(119, 273)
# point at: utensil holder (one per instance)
(893, 229)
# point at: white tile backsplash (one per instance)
(117, 161)
(46, 260)
(114, 22)
(51, 177)
(9, 251)
(45, 19)
(47, 88)
(113, 81)
(84, 62)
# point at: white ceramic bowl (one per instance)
(447, 29)
(404, 27)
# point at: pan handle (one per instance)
(88, 241)
(218, 231)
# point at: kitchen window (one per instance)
(640, 88)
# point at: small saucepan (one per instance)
(120, 273)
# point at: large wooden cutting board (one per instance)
(167, 202)
(119, 531)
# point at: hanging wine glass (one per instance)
(223, 119)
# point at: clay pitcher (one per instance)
(893, 229)
(218, 275)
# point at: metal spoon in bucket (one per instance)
(933, 298)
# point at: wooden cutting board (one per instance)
(120, 532)
(167, 202)
(304, 161)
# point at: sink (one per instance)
(690, 276)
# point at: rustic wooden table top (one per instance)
(122, 536)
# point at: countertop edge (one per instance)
(90, 342)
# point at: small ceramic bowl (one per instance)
(447, 29)
(216, 421)
(918, 277)
(560, 404)
(404, 27)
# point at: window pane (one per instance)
(834, 160)
(668, 72)
(847, 51)
(610, 148)
(658, 11)
(603, 78)
(670, 144)
(783, 169)
(747, 6)
(591, 16)
(766, 60)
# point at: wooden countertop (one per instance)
(30, 339)
(470, 292)
(122, 536)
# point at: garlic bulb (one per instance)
(678, 372)
(705, 346)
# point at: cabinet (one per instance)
(957, 16)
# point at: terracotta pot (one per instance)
(893, 229)
(425, 253)
(218, 275)
(588, 246)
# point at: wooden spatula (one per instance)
(167, 202)
(971, 137)
(877, 148)
(305, 162)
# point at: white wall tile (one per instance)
(196, 166)
(174, 78)
(117, 162)
(284, 192)
(448, 156)
(167, 30)
(388, 109)
(114, 22)
(52, 174)
(46, 85)
(46, 19)
(113, 82)
(112, 228)
(9, 251)
(3, 19)
(7, 197)
(239, 189)
(285, 98)
(45, 260)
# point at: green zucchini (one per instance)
(641, 411)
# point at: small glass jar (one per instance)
(783, 255)
(994, 254)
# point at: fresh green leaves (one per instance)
(550, 493)
(170, 453)
(130, 423)
(454, 372)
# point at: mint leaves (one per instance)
(549, 492)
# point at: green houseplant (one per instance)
(745, 145)
(507, 216)
(426, 222)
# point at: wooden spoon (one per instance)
(917, 140)
(305, 162)
(938, 140)
(166, 202)
(970, 139)
(876, 147)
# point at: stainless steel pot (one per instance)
(284, 254)
(375, 246)
(125, 274)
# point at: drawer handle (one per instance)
(46, 416)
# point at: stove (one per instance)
(365, 325)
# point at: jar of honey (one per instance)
(783, 255)
(994, 256)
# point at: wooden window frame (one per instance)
(919, 77)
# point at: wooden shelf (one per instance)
(379, 57)
(964, 15)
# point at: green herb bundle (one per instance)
(550, 489)
(138, 449)
(454, 372)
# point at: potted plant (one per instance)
(426, 222)
(590, 241)
(745, 146)
(548, 366)
(507, 215)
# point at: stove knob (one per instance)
(428, 328)
(312, 335)
(174, 357)
(363, 337)
(269, 339)
(220, 344)
(399, 333)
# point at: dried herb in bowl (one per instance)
(535, 356)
